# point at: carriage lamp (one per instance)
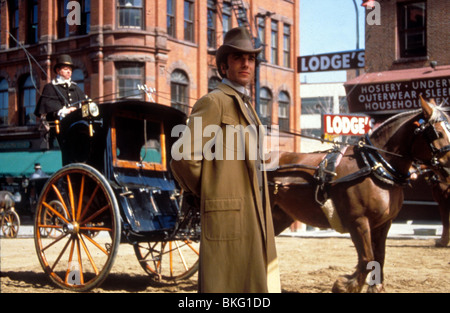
(93, 109)
(89, 108)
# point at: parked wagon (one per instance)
(9, 219)
(115, 187)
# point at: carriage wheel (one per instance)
(10, 224)
(68, 253)
(168, 260)
(51, 218)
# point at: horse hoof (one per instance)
(377, 288)
(346, 285)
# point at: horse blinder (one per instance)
(431, 134)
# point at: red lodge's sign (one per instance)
(346, 125)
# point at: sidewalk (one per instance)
(399, 230)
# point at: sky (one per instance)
(329, 26)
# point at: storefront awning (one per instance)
(22, 163)
(391, 92)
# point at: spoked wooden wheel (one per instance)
(168, 260)
(10, 224)
(50, 218)
(63, 240)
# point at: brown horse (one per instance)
(359, 189)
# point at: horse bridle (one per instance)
(431, 134)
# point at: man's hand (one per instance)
(64, 111)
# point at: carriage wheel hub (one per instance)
(71, 228)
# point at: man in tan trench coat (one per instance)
(237, 247)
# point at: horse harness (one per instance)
(324, 175)
(431, 134)
(373, 163)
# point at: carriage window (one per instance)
(138, 140)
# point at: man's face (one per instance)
(64, 71)
(241, 68)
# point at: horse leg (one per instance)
(360, 234)
(280, 220)
(445, 212)
(379, 236)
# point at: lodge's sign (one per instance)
(331, 61)
(394, 96)
(346, 125)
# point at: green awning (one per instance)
(22, 163)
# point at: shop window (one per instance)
(412, 29)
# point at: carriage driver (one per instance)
(237, 246)
(60, 93)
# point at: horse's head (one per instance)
(433, 127)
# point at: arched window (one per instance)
(78, 77)
(283, 110)
(265, 109)
(27, 101)
(3, 102)
(179, 92)
(213, 82)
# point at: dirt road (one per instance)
(308, 265)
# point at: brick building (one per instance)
(407, 54)
(168, 45)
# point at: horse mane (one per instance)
(394, 122)
(439, 114)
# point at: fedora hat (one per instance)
(63, 59)
(236, 40)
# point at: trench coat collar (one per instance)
(228, 90)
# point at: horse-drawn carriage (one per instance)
(9, 219)
(115, 187)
